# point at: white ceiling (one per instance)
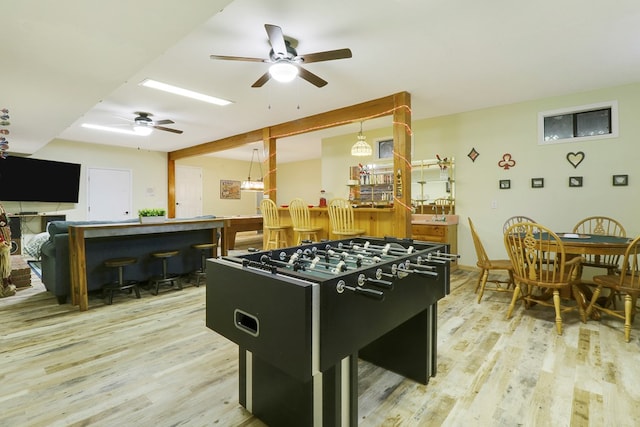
(68, 62)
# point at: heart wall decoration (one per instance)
(575, 158)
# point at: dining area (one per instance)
(589, 271)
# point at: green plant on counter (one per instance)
(152, 212)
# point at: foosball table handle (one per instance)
(341, 286)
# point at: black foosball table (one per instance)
(303, 316)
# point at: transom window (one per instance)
(595, 121)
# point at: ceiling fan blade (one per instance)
(276, 38)
(165, 122)
(262, 80)
(168, 129)
(326, 56)
(310, 77)
(238, 58)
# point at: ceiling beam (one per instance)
(355, 113)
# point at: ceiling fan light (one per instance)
(143, 130)
(283, 71)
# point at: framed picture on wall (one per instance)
(620, 180)
(505, 184)
(384, 148)
(537, 182)
(575, 181)
(229, 189)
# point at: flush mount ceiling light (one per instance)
(184, 92)
(144, 131)
(250, 185)
(361, 148)
(283, 71)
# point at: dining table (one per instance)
(593, 244)
(576, 244)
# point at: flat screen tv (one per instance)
(24, 179)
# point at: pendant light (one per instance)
(257, 185)
(361, 148)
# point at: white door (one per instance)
(109, 194)
(188, 191)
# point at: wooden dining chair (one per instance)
(301, 220)
(341, 218)
(606, 226)
(514, 220)
(542, 270)
(276, 231)
(487, 265)
(624, 282)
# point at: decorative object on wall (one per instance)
(249, 184)
(385, 148)
(537, 182)
(620, 180)
(505, 184)
(575, 181)
(473, 154)
(575, 158)
(229, 189)
(507, 162)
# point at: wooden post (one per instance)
(402, 161)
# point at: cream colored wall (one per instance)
(149, 171)
(513, 129)
(214, 170)
(299, 179)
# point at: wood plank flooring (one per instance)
(153, 362)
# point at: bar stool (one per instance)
(121, 285)
(166, 277)
(203, 248)
(276, 231)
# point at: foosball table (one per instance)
(303, 316)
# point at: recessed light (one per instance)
(116, 130)
(183, 92)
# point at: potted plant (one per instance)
(152, 215)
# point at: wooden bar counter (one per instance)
(79, 234)
(378, 222)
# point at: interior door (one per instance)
(188, 191)
(109, 194)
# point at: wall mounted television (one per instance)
(24, 179)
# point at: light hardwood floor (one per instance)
(153, 362)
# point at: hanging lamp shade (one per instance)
(249, 184)
(361, 148)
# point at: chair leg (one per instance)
(516, 294)
(485, 276)
(479, 281)
(628, 309)
(556, 305)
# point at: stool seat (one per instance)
(201, 273)
(110, 289)
(166, 277)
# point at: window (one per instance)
(587, 122)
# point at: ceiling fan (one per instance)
(143, 120)
(286, 63)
